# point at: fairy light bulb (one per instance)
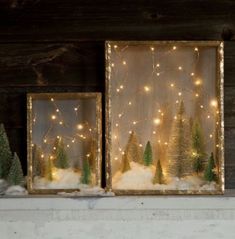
(201, 106)
(158, 74)
(129, 103)
(208, 116)
(140, 145)
(112, 64)
(116, 158)
(119, 115)
(192, 74)
(80, 126)
(58, 137)
(75, 109)
(197, 95)
(180, 68)
(134, 122)
(116, 125)
(54, 148)
(73, 140)
(198, 82)
(172, 85)
(211, 135)
(156, 121)
(53, 117)
(118, 90)
(88, 155)
(154, 132)
(115, 46)
(152, 48)
(52, 99)
(42, 156)
(214, 103)
(57, 110)
(146, 88)
(174, 47)
(45, 140)
(115, 136)
(61, 122)
(68, 145)
(121, 87)
(158, 65)
(180, 93)
(195, 49)
(124, 63)
(177, 102)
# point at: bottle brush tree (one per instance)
(61, 158)
(209, 173)
(5, 153)
(48, 169)
(159, 177)
(15, 176)
(148, 154)
(86, 172)
(125, 163)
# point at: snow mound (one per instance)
(62, 179)
(16, 191)
(140, 177)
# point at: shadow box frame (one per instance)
(71, 95)
(220, 133)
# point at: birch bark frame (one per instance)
(219, 133)
(96, 97)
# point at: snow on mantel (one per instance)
(147, 217)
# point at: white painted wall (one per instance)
(118, 217)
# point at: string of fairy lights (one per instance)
(84, 130)
(209, 111)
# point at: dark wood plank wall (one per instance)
(58, 45)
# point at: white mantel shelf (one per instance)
(132, 217)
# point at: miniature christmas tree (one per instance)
(148, 154)
(86, 173)
(133, 150)
(125, 163)
(198, 154)
(5, 153)
(15, 176)
(158, 178)
(209, 173)
(48, 169)
(180, 164)
(38, 161)
(61, 158)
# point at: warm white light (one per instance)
(58, 137)
(217, 145)
(208, 116)
(90, 129)
(180, 68)
(159, 141)
(175, 117)
(123, 152)
(119, 115)
(68, 145)
(54, 148)
(152, 48)
(53, 117)
(51, 157)
(124, 62)
(44, 140)
(57, 110)
(73, 140)
(211, 135)
(116, 158)
(197, 95)
(166, 143)
(115, 136)
(116, 125)
(76, 109)
(80, 126)
(42, 156)
(180, 93)
(88, 155)
(214, 103)
(134, 122)
(158, 74)
(61, 122)
(177, 102)
(115, 46)
(174, 47)
(154, 132)
(159, 111)
(172, 85)
(118, 90)
(198, 82)
(162, 114)
(192, 74)
(52, 99)
(140, 145)
(112, 64)
(146, 88)
(130, 132)
(121, 87)
(129, 103)
(158, 65)
(201, 106)
(195, 49)
(157, 121)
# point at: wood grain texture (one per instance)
(58, 46)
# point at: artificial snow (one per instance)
(140, 177)
(16, 191)
(62, 179)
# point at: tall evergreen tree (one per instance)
(180, 163)
(209, 173)
(48, 169)
(5, 153)
(148, 154)
(159, 177)
(133, 151)
(86, 172)
(125, 163)
(15, 176)
(61, 158)
(198, 149)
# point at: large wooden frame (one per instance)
(219, 134)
